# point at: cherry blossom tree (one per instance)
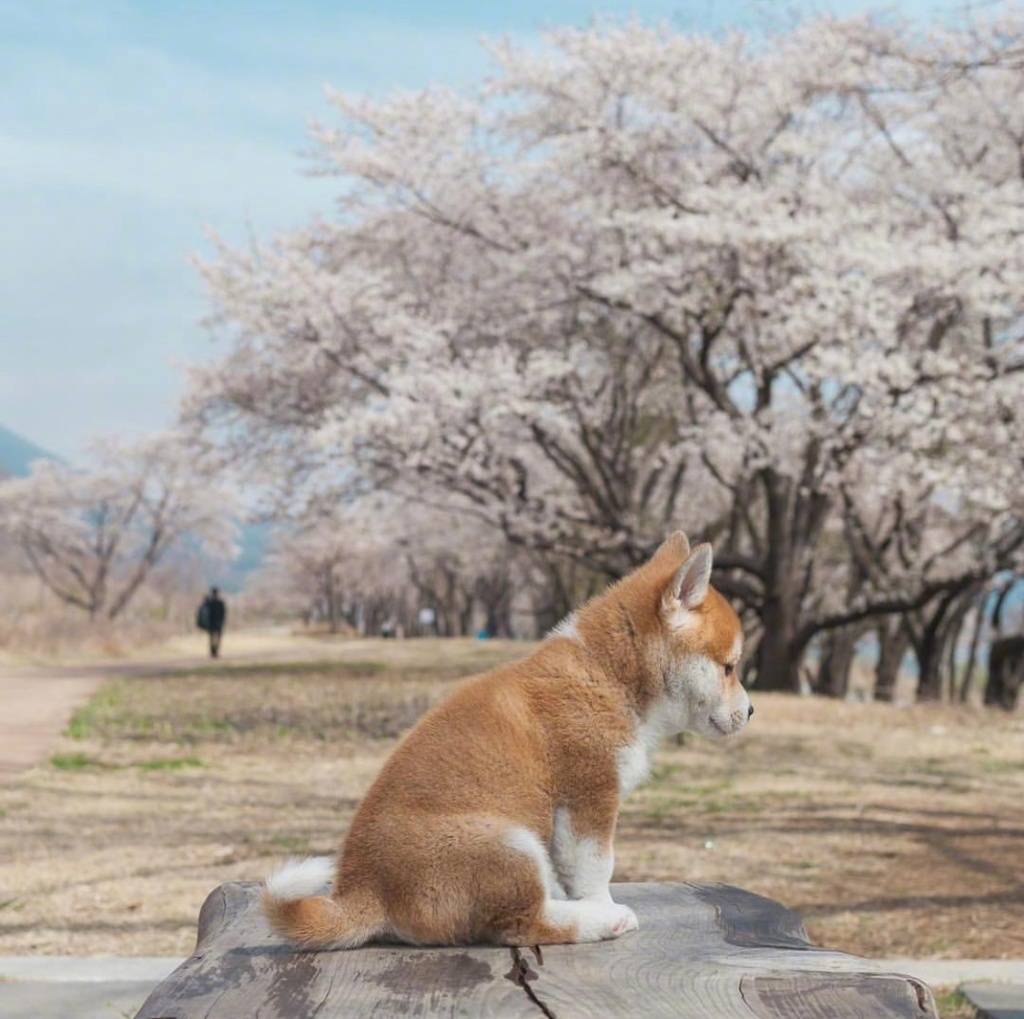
(94, 535)
(771, 291)
(382, 559)
(306, 568)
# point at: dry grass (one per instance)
(38, 628)
(952, 1004)
(35, 625)
(893, 832)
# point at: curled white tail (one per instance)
(300, 903)
(298, 879)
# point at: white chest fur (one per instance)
(634, 759)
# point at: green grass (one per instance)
(235, 703)
(242, 670)
(78, 761)
(258, 703)
(103, 705)
(170, 764)
(279, 700)
(73, 762)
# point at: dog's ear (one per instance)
(688, 586)
(674, 549)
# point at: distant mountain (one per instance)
(17, 453)
(253, 540)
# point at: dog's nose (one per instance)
(750, 711)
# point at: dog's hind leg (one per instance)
(552, 919)
(475, 878)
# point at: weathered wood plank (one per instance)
(700, 951)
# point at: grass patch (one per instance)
(666, 798)
(170, 764)
(662, 783)
(1001, 766)
(78, 761)
(236, 670)
(274, 702)
(73, 762)
(855, 749)
(954, 1005)
(662, 773)
(89, 720)
(197, 705)
(290, 843)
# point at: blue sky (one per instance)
(127, 129)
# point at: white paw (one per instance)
(593, 921)
(624, 922)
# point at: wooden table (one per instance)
(707, 951)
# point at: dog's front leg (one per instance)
(582, 849)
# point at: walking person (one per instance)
(212, 615)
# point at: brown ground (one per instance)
(894, 832)
(39, 694)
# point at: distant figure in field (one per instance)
(427, 619)
(212, 615)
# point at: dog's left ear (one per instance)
(675, 548)
(688, 587)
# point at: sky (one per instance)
(128, 131)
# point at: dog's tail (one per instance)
(300, 905)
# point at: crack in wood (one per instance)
(924, 997)
(521, 973)
(743, 996)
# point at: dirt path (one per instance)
(36, 702)
(35, 709)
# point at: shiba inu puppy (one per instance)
(493, 820)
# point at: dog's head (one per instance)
(699, 642)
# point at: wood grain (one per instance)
(701, 951)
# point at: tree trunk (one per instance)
(1005, 672)
(892, 646)
(778, 658)
(497, 621)
(951, 644)
(837, 662)
(332, 602)
(466, 617)
(928, 647)
(929, 662)
(778, 667)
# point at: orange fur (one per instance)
(439, 850)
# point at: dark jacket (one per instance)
(212, 614)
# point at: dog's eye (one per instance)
(729, 669)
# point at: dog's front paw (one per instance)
(624, 922)
(593, 920)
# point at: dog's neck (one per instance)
(619, 649)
